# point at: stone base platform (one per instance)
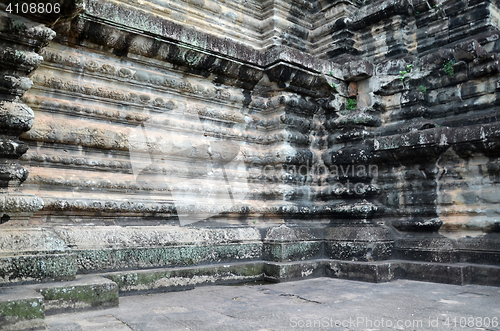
(24, 307)
(298, 305)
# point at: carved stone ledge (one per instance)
(427, 225)
(484, 135)
(17, 207)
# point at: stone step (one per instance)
(24, 307)
(86, 292)
(21, 308)
(28, 269)
(384, 271)
(182, 278)
(434, 272)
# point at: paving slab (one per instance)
(314, 304)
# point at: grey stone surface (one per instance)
(296, 305)
(84, 293)
(282, 131)
(21, 309)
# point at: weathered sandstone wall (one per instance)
(167, 133)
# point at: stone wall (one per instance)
(179, 133)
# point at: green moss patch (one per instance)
(45, 267)
(25, 309)
(169, 279)
(144, 258)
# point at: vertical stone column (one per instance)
(354, 234)
(20, 41)
(22, 37)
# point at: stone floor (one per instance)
(316, 304)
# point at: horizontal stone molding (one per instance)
(441, 136)
(18, 202)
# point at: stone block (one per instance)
(367, 251)
(288, 271)
(484, 66)
(356, 70)
(368, 272)
(292, 251)
(181, 278)
(21, 308)
(93, 260)
(434, 272)
(84, 293)
(485, 275)
(468, 51)
(37, 268)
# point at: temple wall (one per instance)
(183, 133)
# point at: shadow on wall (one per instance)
(202, 173)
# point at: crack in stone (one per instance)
(299, 297)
